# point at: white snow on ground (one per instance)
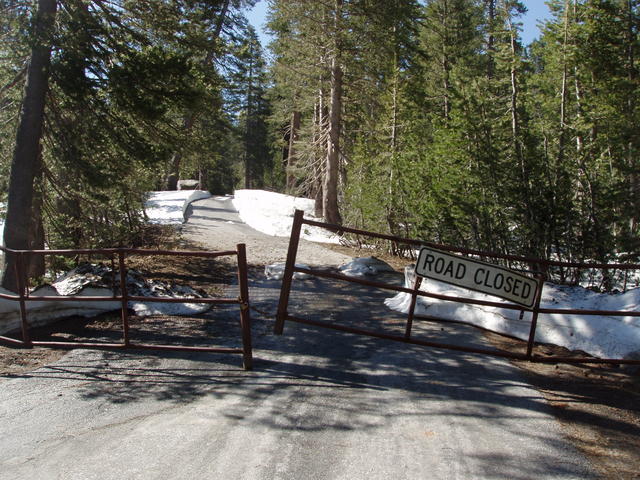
(43, 312)
(600, 336)
(365, 266)
(272, 213)
(275, 271)
(168, 208)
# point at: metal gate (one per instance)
(24, 296)
(537, 267)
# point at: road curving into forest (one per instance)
(318, 405)
(214, 224)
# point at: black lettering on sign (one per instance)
(509, 285)
(428, 260)
(477, 275)
(516, 286)
(449, 269)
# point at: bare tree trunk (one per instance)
(633, 144)
(27, 150)
(515, 117)
(393, 147)
(318, 163)
(491, 14)
(446, 66)
(330, 189)
(36, 266)
(294, 128)
(563, 90)
(248, 174)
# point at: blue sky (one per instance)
(537, 10)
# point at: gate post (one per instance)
(22, 291)
(287, 278)
(245, 315)
(536, 307)
(124, 297)
(412, 306)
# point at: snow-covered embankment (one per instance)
(272, 213)
(600, 336)
(161, 208)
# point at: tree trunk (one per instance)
(330, 189)
(446, 66)
(330, 208)
(321, 114)
(491, 14)
(36, 267)
(563, 90)
(27, 149)
(291, 157)
(632, 143)
(248, 174)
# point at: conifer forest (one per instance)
(427, 119)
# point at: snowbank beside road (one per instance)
(272, 213)
(600, 336)
(95, 280)
(169, 208)
(44, 312)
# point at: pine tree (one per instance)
(248, 104)
(27, 155)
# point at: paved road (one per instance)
(215, 224)
(318, 405)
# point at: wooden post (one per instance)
(287, 278)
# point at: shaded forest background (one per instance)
(427, 119)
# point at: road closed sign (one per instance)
(476, 275)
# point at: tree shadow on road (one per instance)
(315, 380)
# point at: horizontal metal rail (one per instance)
(24, 297)
(538, 265)
(468, 251)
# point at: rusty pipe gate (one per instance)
(24, 297)
(539, 266)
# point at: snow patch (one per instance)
(272, 213)
(44, 312)
(362, 266)
(169, 207)
(601, 336)
(97, 281)
(275, 271)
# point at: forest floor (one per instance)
(597, 406)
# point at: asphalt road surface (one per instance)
(319, 404)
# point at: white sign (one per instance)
(476, 275)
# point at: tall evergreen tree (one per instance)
(27, 153)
